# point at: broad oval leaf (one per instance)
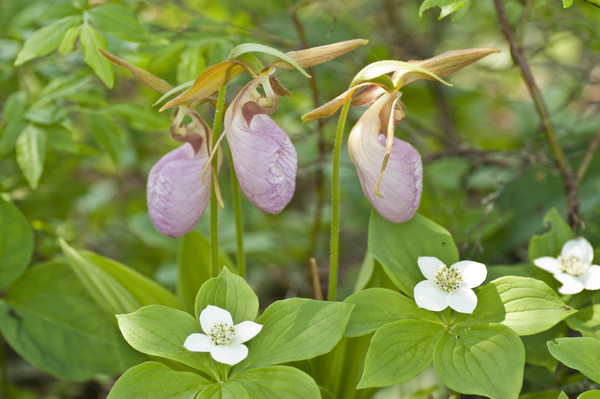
(152, 380)
(51, 321)
(483, 360)
(276, 382)
(579, 353)
(16, 243)
(400, 351)
(525, 304)
(161, 331)
(586, 321)
(376, 307)
(230, 292)
(398, 246)
(114, 286)
(296, 329)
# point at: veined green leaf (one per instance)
(230, 292)
(579, 353)
(120, 22)
(161, 331)
(376, 307)
(91, 40)
(259, 48)
(276, 382)
(400, 351)
(12, 112)
(483, 360)
(115, 287)
(31, 153)
(152, 380)
(51, 321)
(46, 39)
(16, 243)
(296, 329)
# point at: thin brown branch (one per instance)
(587, 159)
(314, 272)
(547, 125)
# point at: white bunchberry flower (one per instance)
(448, 286)
(573, 267)
(222, 339)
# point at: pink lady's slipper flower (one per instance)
(176, 193)
(389, 169)
(263, 155)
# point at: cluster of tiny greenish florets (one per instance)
(448, 278)
(572, 265)
(221, 334)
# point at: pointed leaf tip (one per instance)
(148, 79)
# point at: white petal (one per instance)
(198, 343)
(548, 263)
(571, 284)
(212, 315)
(429, 296)
(473, 273)
(591, 278)
(229, 354)
(429, 265)
(462, 300)
(247, 330)
(579, 247)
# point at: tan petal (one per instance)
(317, 55)
(153, 82)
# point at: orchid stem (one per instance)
(214, 232)
(335, 205)
(239, 225)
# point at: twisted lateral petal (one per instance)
(176, 195)
(402, 181)
(264, 158)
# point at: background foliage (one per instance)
(78, 136)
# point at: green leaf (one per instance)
(31, 153)
(194, 267)
(376, 307)
(276, 382)
(447, 7)
(16, 243)
(115, 287)
(398, 246)
(152, 380)
(51, 321)
(296, 329)
(567, 3)
(589, 395)
(46, 39)
(91, 40)
(50, 114)
(579, 353)
(483, 360)
(12, 112)
(231, 292)
(259, 48)
(107, 134)
(161, 331)
(525, 304)
(586, 321)
(68, 41)
(120, 22)
(550, 243)
(400, 351)
(536, 349)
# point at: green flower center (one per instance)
(572, 265)
(448, 278)
(221, 334)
